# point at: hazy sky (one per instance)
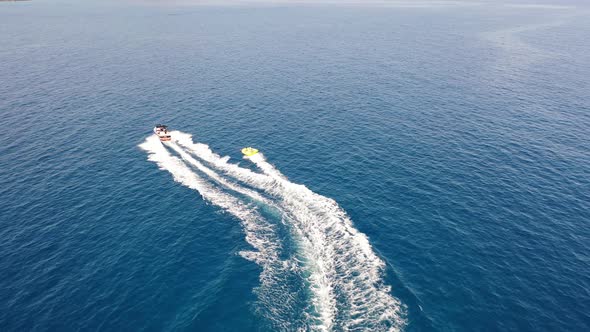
(533, 4)
(405, 3)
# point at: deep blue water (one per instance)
(456, 138)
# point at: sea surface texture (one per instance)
(424, 166)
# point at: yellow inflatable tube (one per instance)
(249, 151)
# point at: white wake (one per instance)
(344, 274)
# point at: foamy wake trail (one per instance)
(274, 295)
(345, 275)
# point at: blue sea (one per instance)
(423, 166)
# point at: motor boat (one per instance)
(162, 132)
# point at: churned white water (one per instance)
(345, 275)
